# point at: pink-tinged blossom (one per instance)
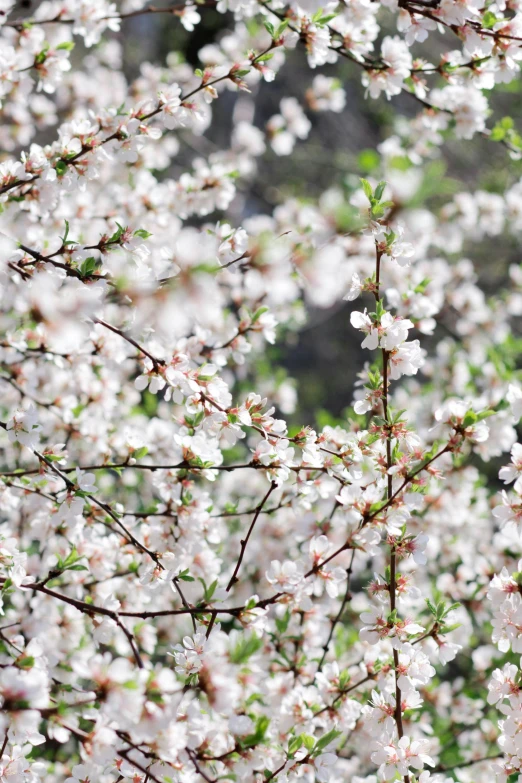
(397, 66)
(23, 427)
(402, 757)
(285, 576)
(513, 472)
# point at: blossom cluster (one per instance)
(193, 587)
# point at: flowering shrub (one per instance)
(193, 590)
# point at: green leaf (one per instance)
(209, 592)
(70, 563)
(141, 452)
(379, 190)
(323, 20)
(41, 57)
(53, 457)
(451, 608)
(7, 584)
(88, 266)
(344, 679)
(64, 238)
(67, 45)
(117, 235)
(431, 607)
(469, 419)
(294, 744)
(26, 662)
(262, 724)
(326, 739)
(282, 622)
(245, 648)
(421, 287)
(185, 576)
(367, 189)
(258, 313)
(489, 20)
(140, 232)
(443, 628)
(61, 167)
(281, 29)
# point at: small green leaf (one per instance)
(117, 235)
(282, 622)
(489, 20)
(379, 190)
(323, 20)
(368, 191)
(140, 232)
(431, 607)
(25, 662)
(281, 29)
(41, 57)
(469, 419)
(185, 576)
(326, 739)
(262, 724)
(88, 266)
(258, 313)
(245, 648)
(294, 744)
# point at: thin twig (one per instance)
(244, 542)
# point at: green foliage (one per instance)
(245, 648)
(71, 562)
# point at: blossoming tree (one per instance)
(191, 589)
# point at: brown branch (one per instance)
(156, 362)
(337, 618)
(244, 542)
(151, 9)
(468, 763)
